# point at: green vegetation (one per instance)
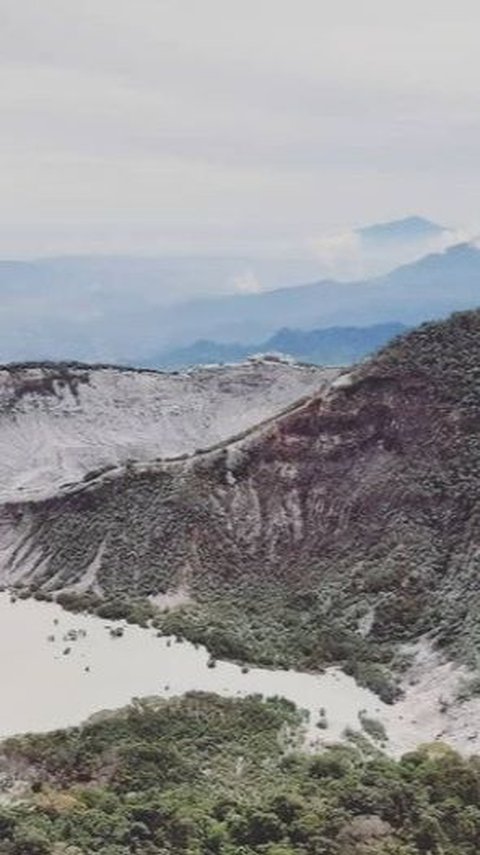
(444, 352)
(266, 627)
(225, 777)
(373, 727)
(137, 610)
(260, 626)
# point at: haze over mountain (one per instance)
(376, 249)
(90, 311)
(331, 346)
(430, 288)
(407, 230)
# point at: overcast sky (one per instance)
(232, 126)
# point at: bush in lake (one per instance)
(375, 677)
(373, 727)
(85, 602)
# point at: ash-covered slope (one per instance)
(342, 526)
(60, 422)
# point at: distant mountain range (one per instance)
(430, 288)
(114, 310)
(377, 249)
(331, 346)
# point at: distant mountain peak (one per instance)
(465, 248)
(405, 229)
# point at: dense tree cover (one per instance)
(445, 352)
(208, 775)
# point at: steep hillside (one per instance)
(60, 422)
(335, 532)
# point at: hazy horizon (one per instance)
(363, 253)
